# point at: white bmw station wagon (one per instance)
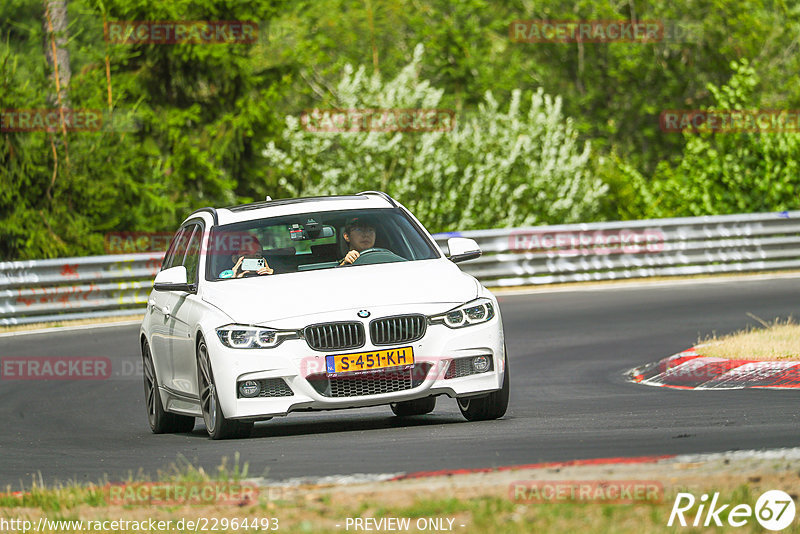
(316, 303)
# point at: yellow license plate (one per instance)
(369, 361)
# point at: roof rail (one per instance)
(212, 211)
(283, 201)
(381, 194)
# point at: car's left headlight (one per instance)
(237, 336)
(474, 312)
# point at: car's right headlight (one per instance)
(474, 312)
(237, 336)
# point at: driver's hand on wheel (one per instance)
(351, 257)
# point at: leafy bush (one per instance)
(727, 172)
(505, 165)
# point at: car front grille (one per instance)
(463, 367)
(398, 329)
(335, 336)
(374, 383)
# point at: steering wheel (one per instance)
(373, 250)
(382, 255)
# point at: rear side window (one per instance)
(176, 245)
(192, 258)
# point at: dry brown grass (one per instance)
(779, 340)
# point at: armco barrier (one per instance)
(76, 288)
(635, 249)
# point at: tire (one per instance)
(217, 425)
(161, 422)
(492, 406)
(414, 407)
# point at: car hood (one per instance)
(263, 299)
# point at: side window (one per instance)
(192, 259)
(172, 252)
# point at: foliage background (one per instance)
(546, 133)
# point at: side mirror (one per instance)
(462, 249)
(173, 279)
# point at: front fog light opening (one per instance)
(249, 389)
(481, 364)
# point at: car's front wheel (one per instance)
(492, 406)
(217, 425)
(414, 407)
(161, 422)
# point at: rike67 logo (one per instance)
(774, 510)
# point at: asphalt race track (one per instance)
(568, 351)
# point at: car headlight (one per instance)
(475, 312)
(237, 336)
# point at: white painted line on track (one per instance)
(333, 480)
(791, 453)
(56, 329)
(641, 284)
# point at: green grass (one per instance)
(320, 509)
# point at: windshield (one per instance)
(313, 241)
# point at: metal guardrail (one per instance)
(635, 249)
(76, 288)
(97, 286)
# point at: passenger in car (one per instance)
(250, 250)
(359, 233)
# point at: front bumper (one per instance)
(302, 369)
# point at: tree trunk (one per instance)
(55, 49)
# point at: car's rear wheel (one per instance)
(492, 406)
(217, 425)
(161, 422)
(414, 407)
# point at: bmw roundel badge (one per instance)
(363, 314)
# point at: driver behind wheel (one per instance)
(359, 233)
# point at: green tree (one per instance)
(728, 172)
(202, 112)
